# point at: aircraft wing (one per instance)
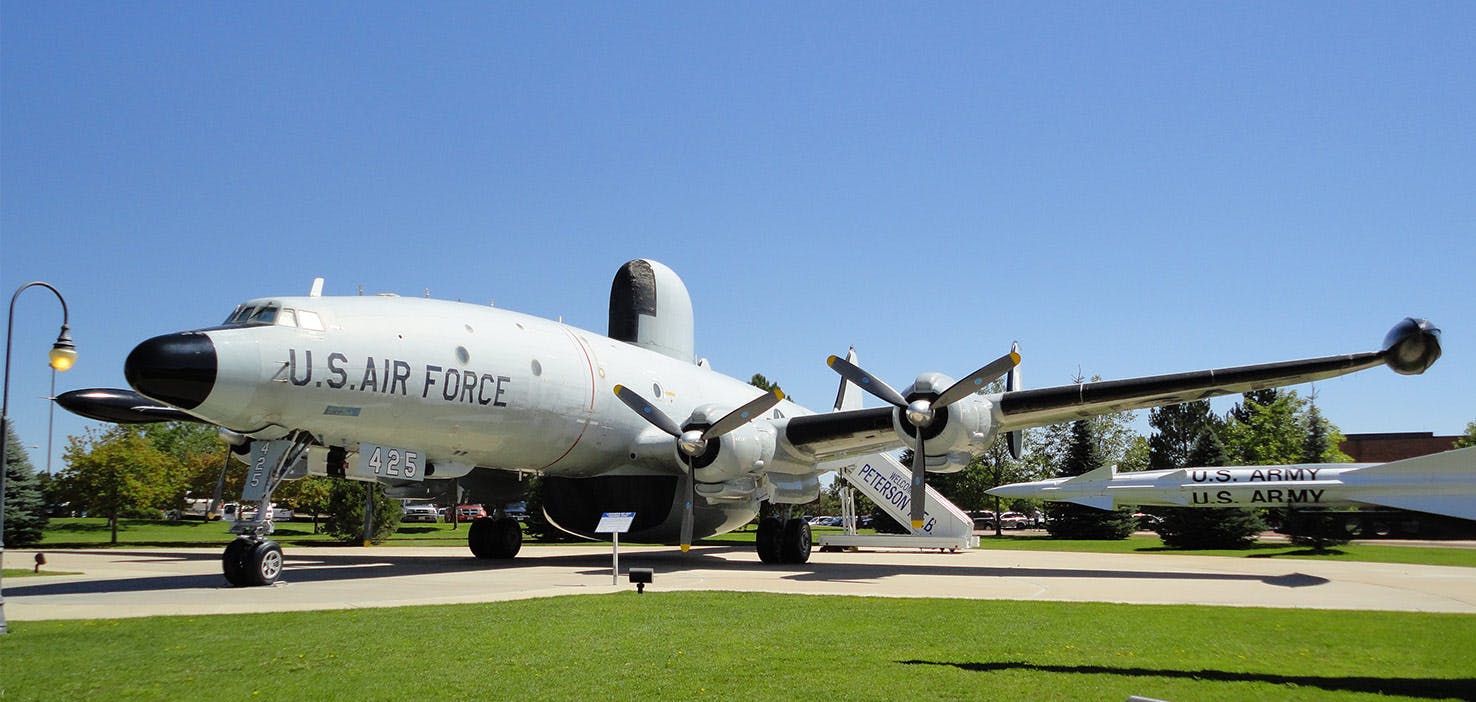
(1409, 349)
(821, 437)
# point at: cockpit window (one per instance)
(239, 315)
(266, 314)
(309, 320)
(262, 315)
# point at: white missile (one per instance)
(1441, 483)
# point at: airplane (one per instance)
(414, 392)
(1440, 483)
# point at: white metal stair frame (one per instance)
(886, 481)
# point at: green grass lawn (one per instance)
(93, 532)
(730, 646)
(1368, 552)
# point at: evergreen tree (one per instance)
(1209, 527)
(346, 512)
(25, 502)
(1084, 453)
(1176, 429)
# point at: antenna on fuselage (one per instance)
(317, 290)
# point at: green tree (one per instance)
(25, 498)
(346, 511)
(1176, 428)
(1198, 527)
(1320, 444)
(1085, 452)
(759, 381)
(1469, 439)
(309, 495)
(117, 473)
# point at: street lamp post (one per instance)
(63, 355)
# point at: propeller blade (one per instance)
(866, 381)
(691, 491)
(1013, 383)
(656, 417)
(919, 482)
(978, 379)
(738, 417)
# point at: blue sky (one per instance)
(1125, 188)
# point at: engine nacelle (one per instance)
(739, 453)
(957, 433)
(575, 505)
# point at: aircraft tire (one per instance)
(495, 538)
(770, 531)
(264, 564)
(795, 544)
(233, 562)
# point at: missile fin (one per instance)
(1095, 501)
(1460, 506)
(1105, 474)
(1457, 461)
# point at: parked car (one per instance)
(517, 510)
(419, 513)
(275, 513)
(1015, 520)
(470, 513)
(983, 519)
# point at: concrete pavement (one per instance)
(147, 582)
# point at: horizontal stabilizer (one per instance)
(1459, 506)
(1095, 501)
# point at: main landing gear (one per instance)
(501, 537)
(783, 540)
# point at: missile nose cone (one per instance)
(175, 368)
(1015, 490)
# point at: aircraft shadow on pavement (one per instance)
(1427, 688)
(307, 566)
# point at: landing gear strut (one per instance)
(253, 559)
(501, 537)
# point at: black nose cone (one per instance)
(175, 368)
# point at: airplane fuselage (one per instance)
(464, 384)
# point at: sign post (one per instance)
(615, 524)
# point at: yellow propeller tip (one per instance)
(686, 547)
(618, 388)
(778, 393)
(917, 524)
(1015, 355)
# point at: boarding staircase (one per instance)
(888, 483)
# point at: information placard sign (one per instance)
(615, 522)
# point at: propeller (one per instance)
(921, 412)
(692, 443)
